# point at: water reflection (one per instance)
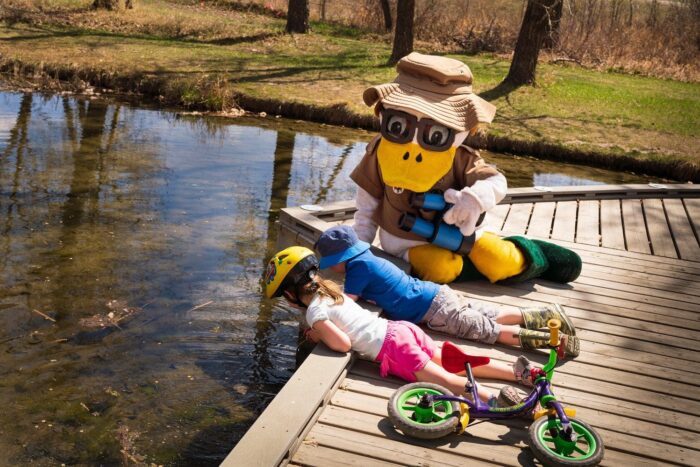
(167, 221)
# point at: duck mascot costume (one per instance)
(426, 191)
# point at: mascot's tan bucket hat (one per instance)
(438, 87)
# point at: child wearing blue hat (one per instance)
(403, 297)
(401, 348)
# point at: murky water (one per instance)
(158, 226)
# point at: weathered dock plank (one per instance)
(541, 220)
(692, 206)
(518, 218)
(682, 229)
(588, 223)
(497, 216)
(612, 235)
(659, 232)
(635, 226)
(564, 227)
(636, 308)
(377, 447)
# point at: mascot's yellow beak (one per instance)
(412, 167)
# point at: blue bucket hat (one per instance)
(338, 244)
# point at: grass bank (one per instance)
(217, 58)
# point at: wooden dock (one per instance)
(636, 307)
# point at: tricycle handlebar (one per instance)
(554, 325)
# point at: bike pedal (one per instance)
(464, 417)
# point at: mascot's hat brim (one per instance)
(438, 87)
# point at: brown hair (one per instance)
(323, 287)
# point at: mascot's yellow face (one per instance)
(414, 154)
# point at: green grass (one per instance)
(607, 112)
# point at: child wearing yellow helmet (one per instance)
(401, 348)
(290, 267)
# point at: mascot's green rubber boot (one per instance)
(536, 317)
(564, 264)
(530, 339)
(546, 260)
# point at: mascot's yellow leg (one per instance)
(432, 263)
(497, 259)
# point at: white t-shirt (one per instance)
(365, 330)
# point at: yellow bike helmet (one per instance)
(292, 266)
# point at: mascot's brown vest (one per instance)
(467, 168)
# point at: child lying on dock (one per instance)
(403, 297)
(401, 348)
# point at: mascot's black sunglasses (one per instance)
(400, 127)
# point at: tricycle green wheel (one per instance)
(424, 421)
(552, 449)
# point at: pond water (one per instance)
(158, 225)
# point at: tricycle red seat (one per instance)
(454, 358)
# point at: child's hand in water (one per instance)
(312, 335)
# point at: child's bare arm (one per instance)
(332, 336)
(312, 335)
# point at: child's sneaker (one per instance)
(506, 398)
(522, 369)
(509, 396)
(536, 317)
(570, 346)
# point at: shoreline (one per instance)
(211, 95)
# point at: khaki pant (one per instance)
(459, 316)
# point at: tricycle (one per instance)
(556, 437)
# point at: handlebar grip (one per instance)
(554, 325)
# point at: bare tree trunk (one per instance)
(106, 4)
(615, 12)
(113, 4)
(630, 14)
(281, 178)
(403, 37)
(652, 19)
(386, 11)
(298, 16)
(551, 40)
(593, 10)
(532, 33)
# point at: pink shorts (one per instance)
(406, 350)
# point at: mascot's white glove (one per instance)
(471, 201)
(465, 211)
